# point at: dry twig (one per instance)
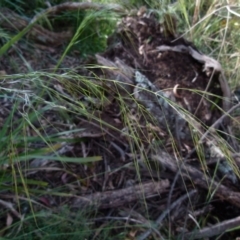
(214, 230)
(111, 199)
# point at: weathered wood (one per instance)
(198, 178)
(76, 6)
(13, 22)
(214, 230)
(112, 199)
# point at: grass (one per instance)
(57, 225)
(39, 125)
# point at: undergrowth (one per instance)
(211, 25)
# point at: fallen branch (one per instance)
(76, 6)
(198, 178)
(12, 21)
(214, 230)
(112, 199)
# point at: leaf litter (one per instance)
(142, 108)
